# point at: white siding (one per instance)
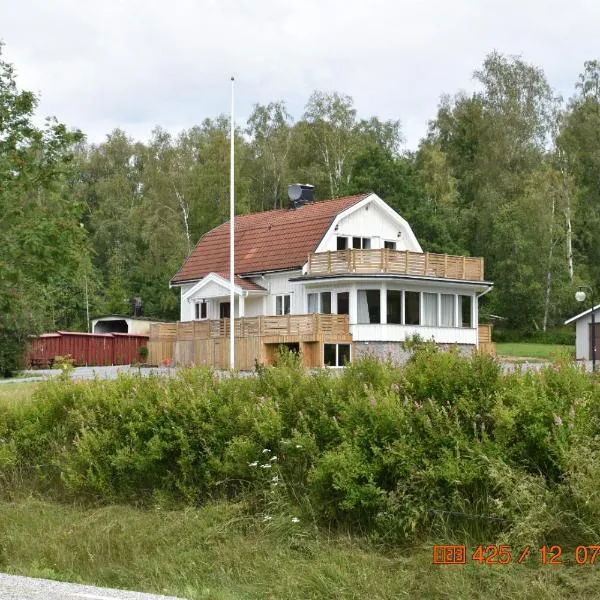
(278, 284)
(399, 333)
(582, 333)
(373, 222)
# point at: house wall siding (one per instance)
(373, 223)
(582, 339)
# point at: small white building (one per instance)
(122, 324)
(583, 333)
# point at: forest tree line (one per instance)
(510, 172)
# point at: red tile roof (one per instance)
(265, 241)
(243, 283)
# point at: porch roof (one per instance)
(216, 285)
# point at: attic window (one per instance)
(342, 242)
(361, 243)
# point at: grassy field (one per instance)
(16, 393)
(219, 552)
(537, 351)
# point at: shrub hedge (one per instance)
(446, 444)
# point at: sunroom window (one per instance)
(369, 306)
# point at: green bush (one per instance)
(446, 443)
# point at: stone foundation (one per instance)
(396, 353)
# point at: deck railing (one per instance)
(313, 325)
(398, 262)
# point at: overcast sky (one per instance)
(135, 64)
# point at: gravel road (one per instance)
(14, 587)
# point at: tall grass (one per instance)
(445, 447)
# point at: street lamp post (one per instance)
(580, 296)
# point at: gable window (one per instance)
(412, 308)
(361, 243)
(201, 310)
(389, 245)
(394, 307)
(465, 306)
(282, 304)
(336, 355)
(342, 242)
(369, 306)
(224, 310)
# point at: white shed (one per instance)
(583, 333)
(122, 324)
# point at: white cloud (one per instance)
(135, 64)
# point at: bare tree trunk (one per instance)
(549, 274)
(185, 211)
(569, 229)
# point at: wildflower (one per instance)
(253, 464)
(295, 520)
(276, 478)
(298, 446)
(265, 466)
(273, 458)
(266, 450)
(557, 420)
(267, 518)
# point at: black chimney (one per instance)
(300, 193)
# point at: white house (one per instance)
(352, 256)
(583, 333)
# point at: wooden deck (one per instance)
(256, 338)
(396, 262)
(485, 339)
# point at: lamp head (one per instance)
(580, 296)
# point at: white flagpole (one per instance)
(232, 244)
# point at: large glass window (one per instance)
(369, 309)
(394, 306)
(430, 309)
(326, 303)
(224, 310)
(201, 310)
(466, 310)
(343, 303)
(313, 303)
(282, 304)
(342, 242)
(448, 311)
(336, 355)
(412, 308)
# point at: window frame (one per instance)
(337, 354)
(280, 304)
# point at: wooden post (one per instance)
(406, 261)
(445, 265)
(463, 266)
(426, 263)
(329, 261)
(382, 254)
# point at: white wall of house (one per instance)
(279, 284)
(374, 222)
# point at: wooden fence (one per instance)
(207, 342)
(485, 339)
(397, 262)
